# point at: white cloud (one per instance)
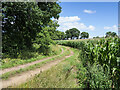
(68, 19)
(107, 27)
(114, 27)
(73, 22)
(91, 27)
(89, 11)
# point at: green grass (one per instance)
(60, 76)
(55, 50)
(38, 65)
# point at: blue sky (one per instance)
(96, 18)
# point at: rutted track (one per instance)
(28, 64)
(23, 77)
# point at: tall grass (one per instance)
(8, 62)
(38, 65)
(60, 76)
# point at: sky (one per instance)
(96, 18)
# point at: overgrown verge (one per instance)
(38, 65)
(8, 62)
(60, 76)
(99, 65)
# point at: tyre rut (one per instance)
(23, 77)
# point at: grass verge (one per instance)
(38, 65)
(7, 63)
(63, 75)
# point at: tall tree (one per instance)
(110, 34)
(52, 26)
(22, 21)
(72, 33)
(84, 35)
(60, 35)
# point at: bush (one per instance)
(28, 54)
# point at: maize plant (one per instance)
(105, 52)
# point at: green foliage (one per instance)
(66, 68)
(81, 75)
(104, 52)
(43, 40)
(93, 76)
(55, 34)
(97, 78)
(56, 77)
(71, 33)
(96, 37)
(111, 34)
(60, 35)
(84, 35)
(27, 54)
(23, 21)
(31, 67)
(25, 57)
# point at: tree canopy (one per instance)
(84, 35)
(72, 33)
(54, 33)
(23, 23)
(111, 34)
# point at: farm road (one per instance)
(23, 77)
(28, 64)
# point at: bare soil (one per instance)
(25, 76)
(28, 64)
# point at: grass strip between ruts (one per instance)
(38, 65)
(16, 62)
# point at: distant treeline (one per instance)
(74, 33)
